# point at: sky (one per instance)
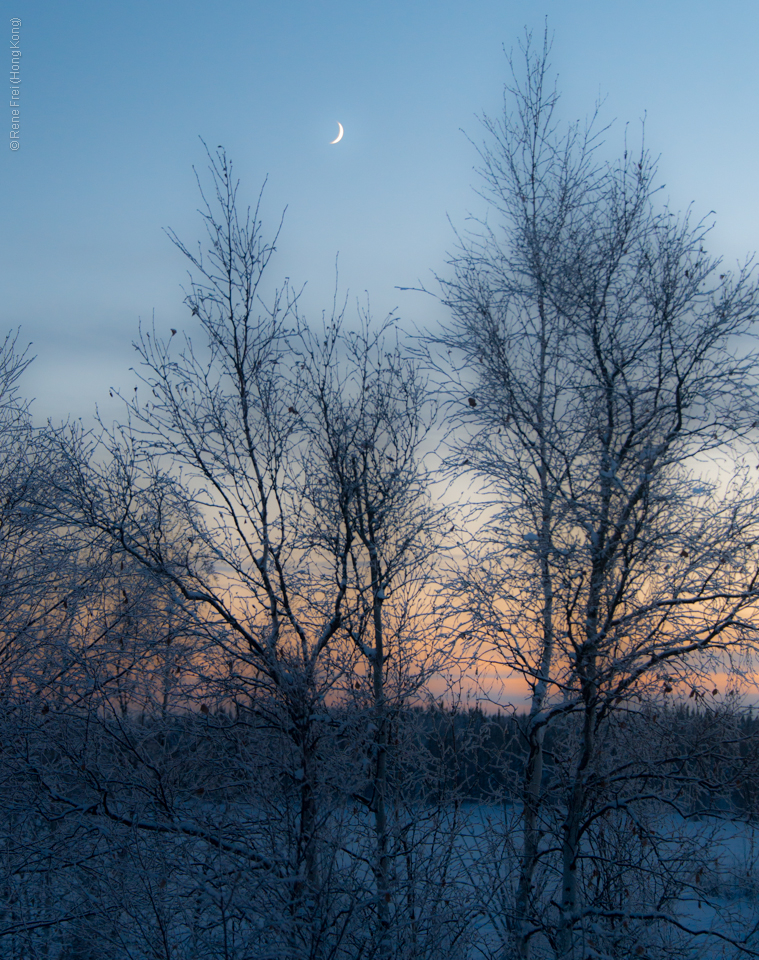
(114, 98)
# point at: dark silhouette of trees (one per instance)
(222, 619)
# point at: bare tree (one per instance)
(50, 579)
(369, 416)
(203, 487)
(32, 566)
(603, 383)
(271, 480)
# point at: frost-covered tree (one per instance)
(49, 577)
(270, 478)
(602, 374)
(203, 487)
(369, 416)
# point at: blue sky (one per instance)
(115, 95)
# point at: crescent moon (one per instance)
(339, 137)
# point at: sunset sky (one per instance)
(114, 97)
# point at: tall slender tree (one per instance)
(602, 373)
(370, 416)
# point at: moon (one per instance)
(339, 137)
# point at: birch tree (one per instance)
(271, 479)
(602, 381)
(370, 415)
(202, 485)
(49, 576)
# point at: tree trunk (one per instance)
(570, 847)
(532, 780)
(382, 868)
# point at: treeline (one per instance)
(480, 756)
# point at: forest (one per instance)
(252, 634)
